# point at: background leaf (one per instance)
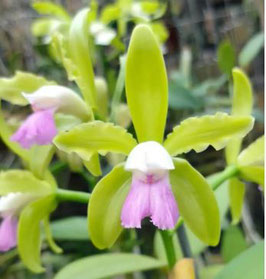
(114, 264)
(226, 57)
(233, 243)
(146, 85)
(251, 49)
(71, 228)
(248, 265)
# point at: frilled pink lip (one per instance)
(8, 233)
(39, 128)
(152, 199)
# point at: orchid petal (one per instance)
(8, 233)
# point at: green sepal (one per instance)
(146, 85)
(29, 234)
(49, 237)
(199, 132)
(40, 158)
(93, 165)
(242, 104)
(11, 88)
(196, 202)
(251, 162)
(96, 136)
(80, 55)
(22, 181)
(226, 57)
(252, 174)
(236, 196)
(105, 207)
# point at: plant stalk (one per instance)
(169, 247)
(74, 196)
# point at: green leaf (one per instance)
(29, 235)
(96, 136)
(251, 49)
(199, 132)
(248, 265)
(241, 105)
(226, 57)
(196, 202)
(146, 85)
(233, 243)
(182, 98)
(49, 8)
(11, 88)
(22, 181)
(105, 205)
(236, 194)
(71, 228)
(40, 158)
(80, 55)
(253, 154)
(49, 237)
(113, 263)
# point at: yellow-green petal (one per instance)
(199, 132)
(146, 85)
(96, 136)
(236, 196)
(105, 206)
(196, 202)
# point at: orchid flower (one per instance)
(151, 183)
(40, 128)
(10, 206)
(249, 162)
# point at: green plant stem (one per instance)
(169, 247)
(219, 178)
(75, 196)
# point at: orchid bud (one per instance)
(102, 96)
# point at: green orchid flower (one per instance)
(249, 162)
(152, 182)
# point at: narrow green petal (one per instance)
(146, 85)
(93, 165)
(236, 195)
(199, 132)
(252, 173)
(80, 53)
(29, 235)
(105, 206)
(196, 202)
(242, 104)
(96, 136)
(253, 154)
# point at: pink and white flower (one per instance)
(150, 194)
(10, 206)
(40, 128)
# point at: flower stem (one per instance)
(75, 196)
(169, 248)
(222, 176)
